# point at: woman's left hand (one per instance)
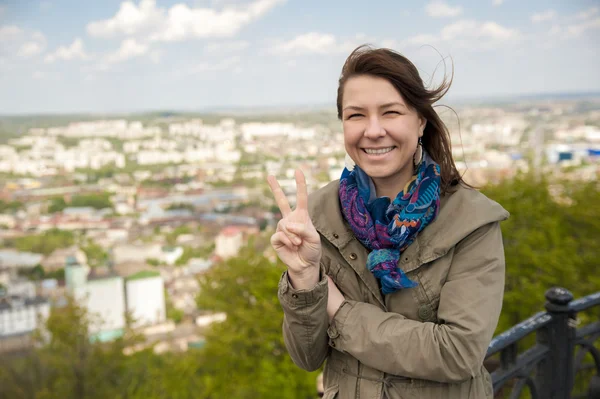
(334, 300)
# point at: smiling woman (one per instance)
(396, 271)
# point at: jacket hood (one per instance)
(461, 213)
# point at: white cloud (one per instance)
(74, 51)
(130, 48)
(471, 29)
(576, 25)
(312, 42)
(19, 42)
(497, 3)
(467, 33)
(9, 32)
(38, 75)
(319, 43)
(576, 30)
(548, 15)
(180, 22)
(130, 19)
(587, 14)
(30, 49)
(441, 9)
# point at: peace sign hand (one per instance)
(296, 240)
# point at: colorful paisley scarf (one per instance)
(388, 228)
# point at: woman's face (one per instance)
(380, 132)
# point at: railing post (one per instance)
(554, 375)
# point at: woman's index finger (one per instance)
(302, 192)
(279, 196)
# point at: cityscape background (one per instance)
(135, 142)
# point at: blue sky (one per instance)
(120, 56)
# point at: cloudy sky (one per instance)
(112, 55)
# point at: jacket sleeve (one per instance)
(305, 322)
(452, 351)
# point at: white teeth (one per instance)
(378, 151)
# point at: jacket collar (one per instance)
(461, 212)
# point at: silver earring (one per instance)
(418, 156)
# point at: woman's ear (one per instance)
(422, 124)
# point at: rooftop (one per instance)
(143, 274)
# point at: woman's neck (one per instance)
(390, 186)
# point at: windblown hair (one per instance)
(403, 75)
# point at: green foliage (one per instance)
(550, 239)
(45, 243)
(96, 255)
(153, 262)
(189, 253)
(57, 205)
(96, 201)
(172, 312)
(37, 273)
(67, 364)
(249, 344)
(171, 238)
(10, 206)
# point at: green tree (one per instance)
(57, 205)
(96, 201)
(67, 364)
(46, 242)
(171, 238)
(249, 344)
(96, 255)
(10, 206)
(189, 253)
(550, 239)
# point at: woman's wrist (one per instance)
(334, 300)
(305, 280)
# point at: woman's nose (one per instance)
(374, 128)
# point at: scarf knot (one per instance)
(387, 227)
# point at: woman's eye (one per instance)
(392, 113)
(354, 116)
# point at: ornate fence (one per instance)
(549, 367)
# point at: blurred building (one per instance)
(107, 297)
(20, 316)
(146, 298)
(102, 295)
(228, 242)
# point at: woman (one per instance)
(396, 272)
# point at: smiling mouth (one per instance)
(378, 151)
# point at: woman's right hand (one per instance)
(296, 240)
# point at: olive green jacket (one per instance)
(423, 342)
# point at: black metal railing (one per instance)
(548, 369)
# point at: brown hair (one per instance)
(403, 75)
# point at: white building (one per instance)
(146, 298)
(228, 242)
(21, 288)
(19, 315)
(103, 297)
